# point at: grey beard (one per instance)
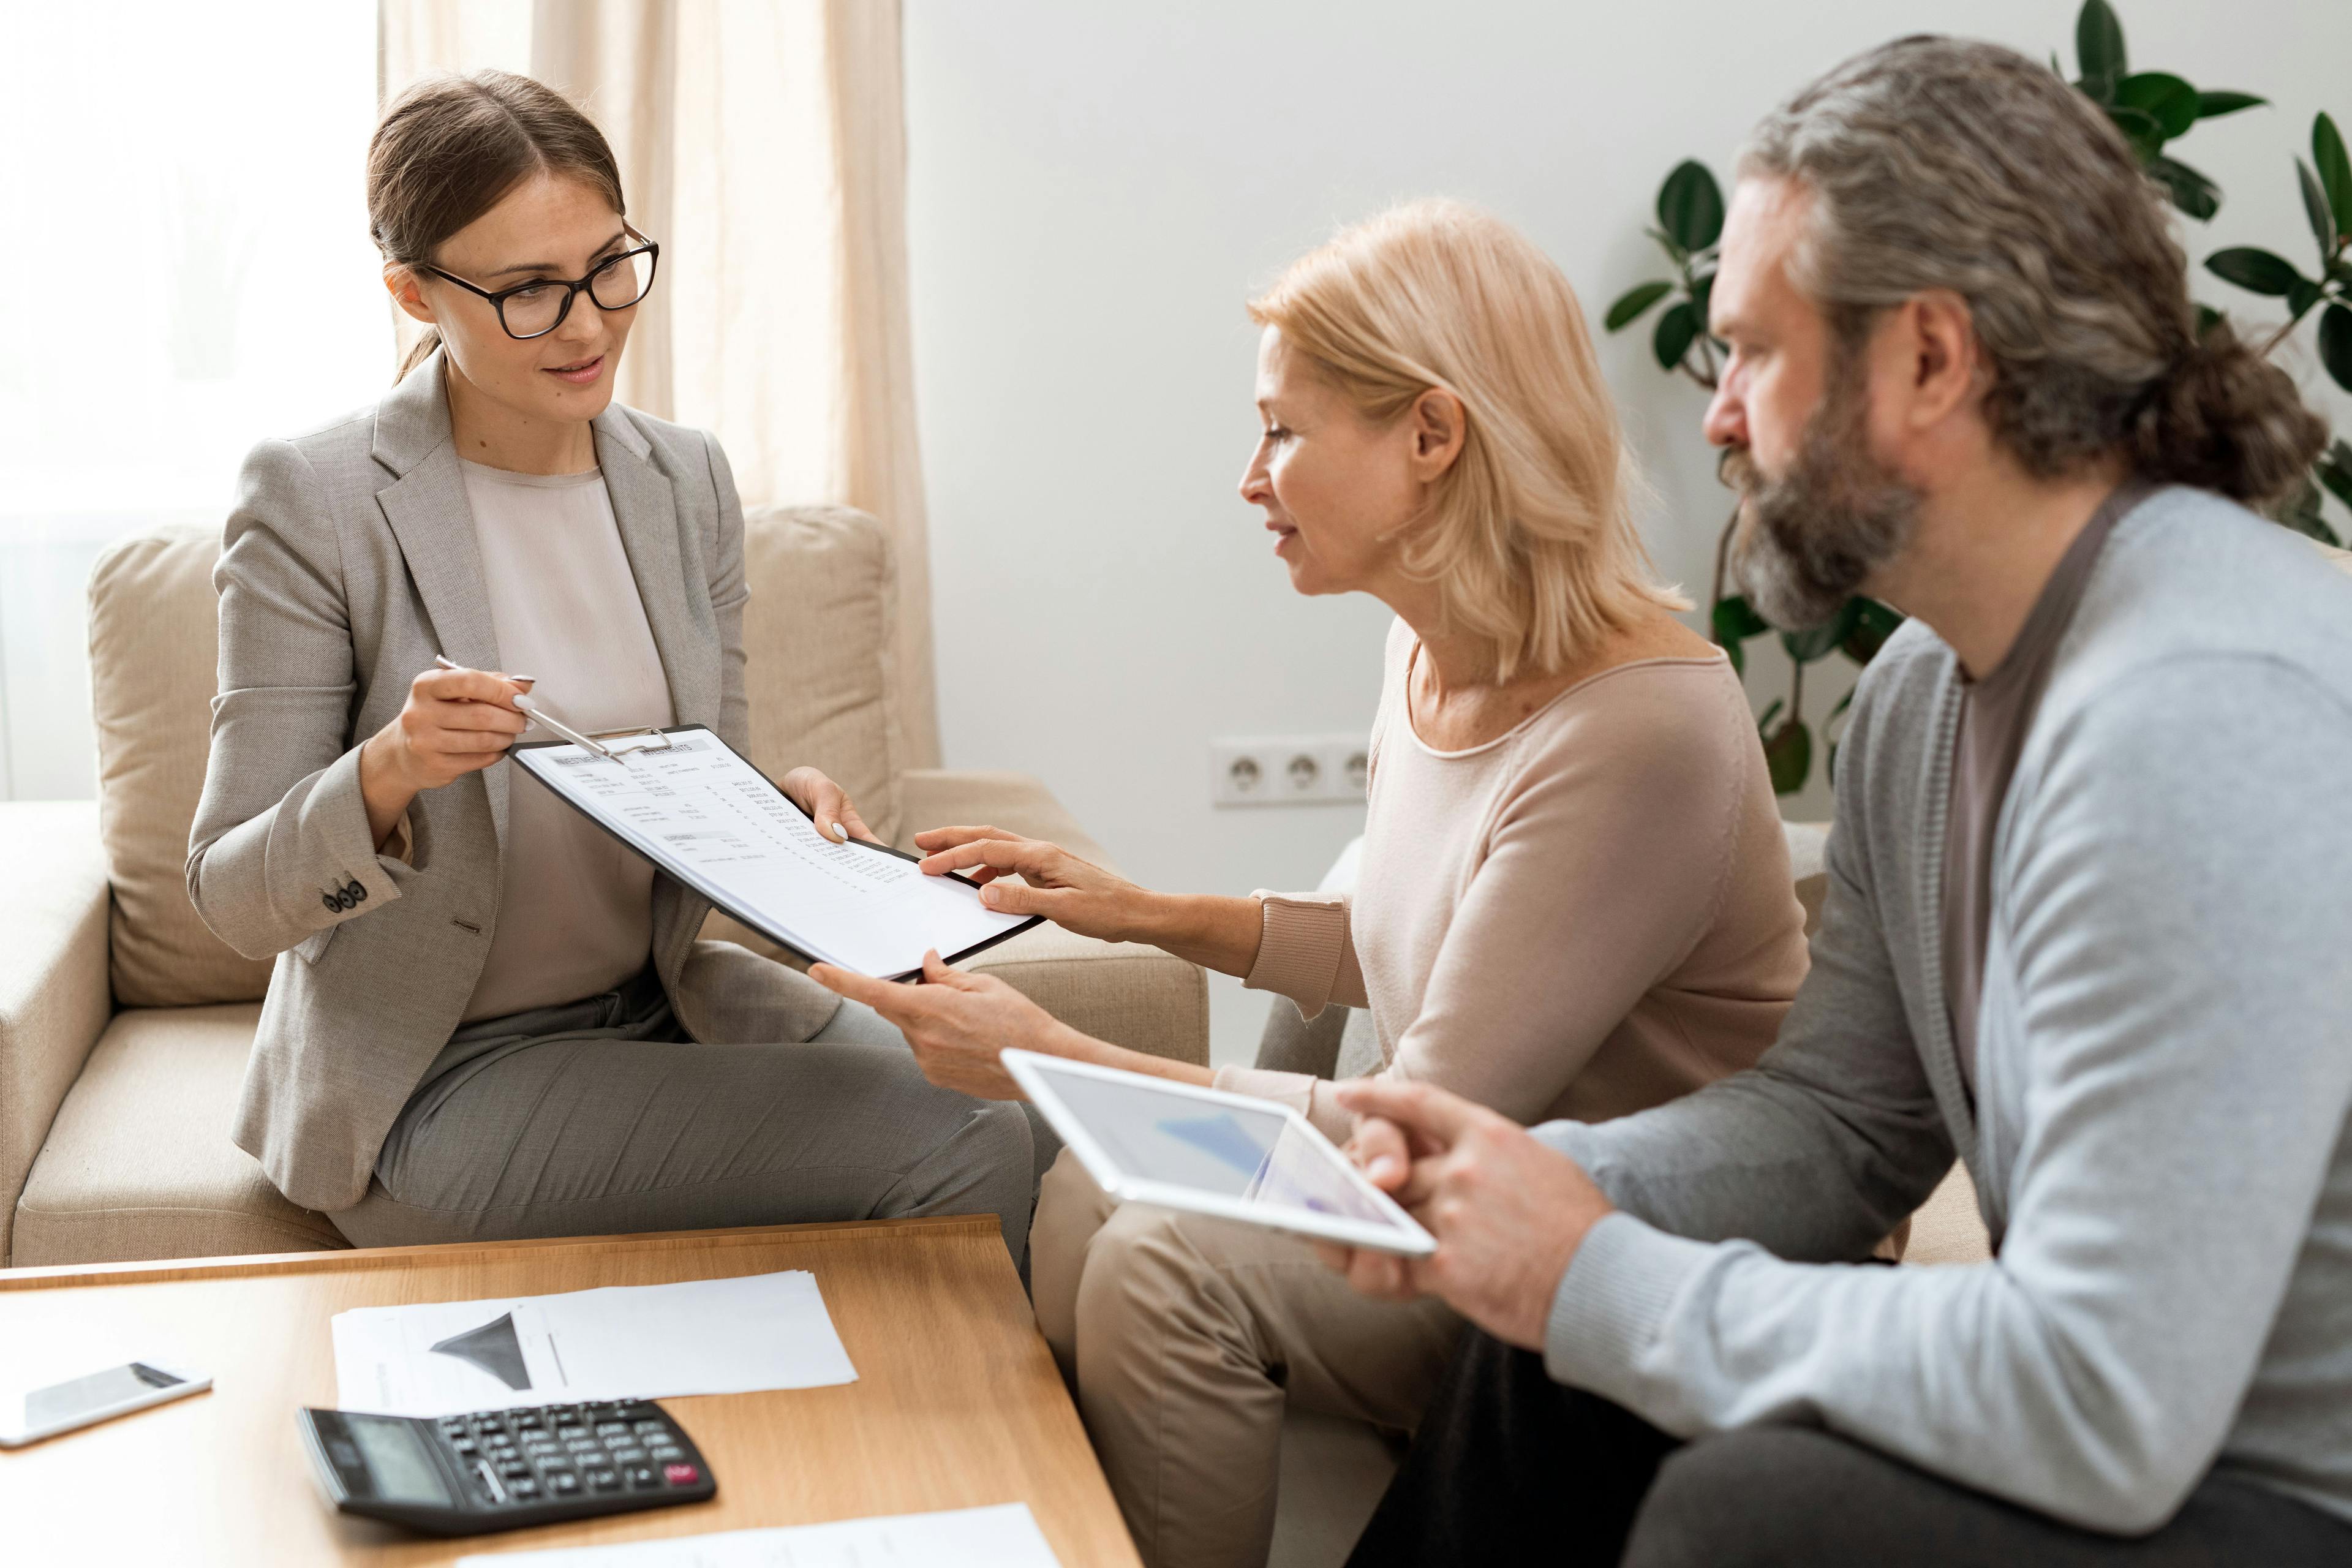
(1809, 540)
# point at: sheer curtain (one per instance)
(762, 143)
(190, 272)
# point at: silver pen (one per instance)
(528, 704)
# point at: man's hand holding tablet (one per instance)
(1507, 1213)
(1147, 1140)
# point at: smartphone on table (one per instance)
(37, 1413)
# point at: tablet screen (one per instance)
(1236, 1151)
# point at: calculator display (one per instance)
(397, 1461)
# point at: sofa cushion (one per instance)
(817, 632)
(154, 652)
(139, 1163)
(817, 636)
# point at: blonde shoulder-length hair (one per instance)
(1530, 536)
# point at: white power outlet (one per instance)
(1289, 769)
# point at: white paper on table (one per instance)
(1003, 1537)
(617, 1341)
(711, 820)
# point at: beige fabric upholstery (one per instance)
(822, 689)
(940, 797)
(1947, 1228)
(138, 1163)
(154, 631)
(53, 999)
(817, 636)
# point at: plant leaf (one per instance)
(2335, 170)
(2336, 344)
(2191, 192)
(1771, 711)
(2302, 514)
(2141, 129)
(2335, 470)
(2099, 46)
(1788, 757)
(2257, 271)
(2208, 319)
(1874, 622)
(1811, 642)
(1672, 338)
(1674, 253)
(1690, 205)
(2301, 298)
(2214, 105)
(2171, 101)
(1702, 291)
(2314, 207)
(1735, 620)
(1633, 302)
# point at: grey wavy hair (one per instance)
(1948, 164)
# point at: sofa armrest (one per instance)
(54, 995)
(1126, 993)
(944, 798)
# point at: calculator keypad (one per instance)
(567, 1451)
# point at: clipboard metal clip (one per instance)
(597, 743)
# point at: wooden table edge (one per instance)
(331, 1260)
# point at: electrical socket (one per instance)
(1289, 769)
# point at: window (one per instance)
(186, 270)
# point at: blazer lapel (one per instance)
(433, 521)
(644, 506)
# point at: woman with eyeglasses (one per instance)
(489, 1019)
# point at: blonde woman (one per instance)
(1574, 898)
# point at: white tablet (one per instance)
(1145, 1140)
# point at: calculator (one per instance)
(503, 1469)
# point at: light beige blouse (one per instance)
(575, 908)
(1587, 916)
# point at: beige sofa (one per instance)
(124, 1024)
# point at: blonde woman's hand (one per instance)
(958, 1024)
(827, 803)
(1075, 894)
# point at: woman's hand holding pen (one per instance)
(456, 721)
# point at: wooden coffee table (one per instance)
(957, 1403)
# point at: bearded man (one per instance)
(2089, 931)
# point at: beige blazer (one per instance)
(348, 563)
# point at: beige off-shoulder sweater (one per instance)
(1587, 916)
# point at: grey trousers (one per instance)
(597, 1117)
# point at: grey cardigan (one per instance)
(2165, 1067)
(348, 563)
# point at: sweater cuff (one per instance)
(1612, 1301)
(1295, 1089)
(1301, 940)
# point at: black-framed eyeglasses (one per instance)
(535, 308)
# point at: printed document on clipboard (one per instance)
(705, 816)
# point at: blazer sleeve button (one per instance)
(359, 894)
(329, 899)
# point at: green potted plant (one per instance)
(2152, 109)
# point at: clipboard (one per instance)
(733, 827)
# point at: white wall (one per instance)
(1097, 187)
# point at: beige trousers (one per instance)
(1183, 1338)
